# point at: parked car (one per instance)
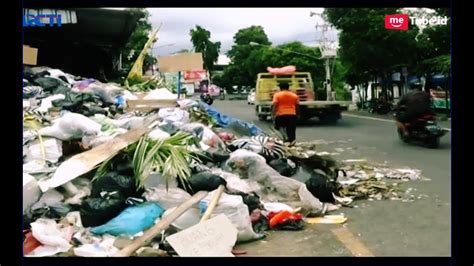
(251, 97)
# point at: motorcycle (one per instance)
(206, 98)
(425, 129)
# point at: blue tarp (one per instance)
(225, 120)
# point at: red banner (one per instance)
(195, 75)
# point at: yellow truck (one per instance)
(300, 83)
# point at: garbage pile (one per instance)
(100, 181)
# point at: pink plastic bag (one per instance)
(287, 70)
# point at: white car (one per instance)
(251, 98)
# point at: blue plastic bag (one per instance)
(131, 221)
(225, 120)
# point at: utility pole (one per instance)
(328, 51)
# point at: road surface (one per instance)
(381, 228)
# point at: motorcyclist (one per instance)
(207, 98)
(410, 107)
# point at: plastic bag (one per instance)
(58, 74)
(167, 199)
(131, 221)
(71, 126)
(173, 115)
(234, 208)
(106, 92)
(47, 103)
(31, 191)
(285, 220)
(274, 187)
(208, 138)
(321, 187)
(116, 181)
(169, 128)
(128, 123)
(187, 103)
(83, 84)
(52, 150)
(202, 181)
(189, 218)
(97, 211)
(284, 166)
(157, 134)
(234, 184)
(276, 207)
(103, 249)
(287, 70)
(161, 94)
(269, 148)
(49, 233)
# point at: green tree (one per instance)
(368, 50)
(246, 59)
(200, 37)
(138, 39)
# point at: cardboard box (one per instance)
(29, 55)
(181, 62)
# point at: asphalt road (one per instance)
(385, 228)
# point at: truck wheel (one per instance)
(262, 117)
(329, 118)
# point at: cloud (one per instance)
(280, 24)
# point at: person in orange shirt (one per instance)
(285, 111)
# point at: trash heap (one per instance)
(100, 180)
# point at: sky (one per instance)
(280, 24)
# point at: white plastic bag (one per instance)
(275, 187)
(187, 103)
(276, 207)
(157, 134)
(173, 115)
(160, 94)
(31, 191)
(103, 248)
(71, 126)
(208, 138)
(234, 184)
(47, 103)
(52, 151)
(166, 199)
(49, 233)
(235, 209)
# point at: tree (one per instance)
(368, 50)
(138, 39)
(200, 38)
(246, 60)
(306, 59)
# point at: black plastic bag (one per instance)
(284, 166)
(321, 187)
(100, 210)
(202, 181)
(252, 201)
(114, 181)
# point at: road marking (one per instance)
(352, 243)
(379, 119)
